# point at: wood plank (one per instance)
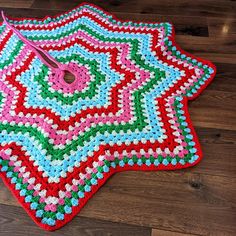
(16, 4)
(219, 148)
(216, 49)
(14, 221)
(225, 78)
(210, 136)
(218, 57)
(196, 44)
(196, 26)
(28, 12)
(213, 108)
(135, 196)
(164, 7)
(158, 232)
(221, 27)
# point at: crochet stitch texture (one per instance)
(125, 110)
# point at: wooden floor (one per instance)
(196, 201)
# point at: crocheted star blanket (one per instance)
(126, 108)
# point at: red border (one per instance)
(88, 195)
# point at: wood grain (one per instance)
(159, 232)
(14, 221)
(165, 7)
(195, 201)
(16, 4)
(221, 27)
(212, 108)
(225, 78)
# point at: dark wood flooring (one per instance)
(196, 201)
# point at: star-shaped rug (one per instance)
(125, 108)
